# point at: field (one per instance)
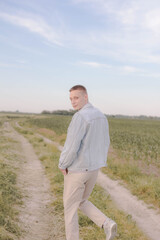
(134, 159)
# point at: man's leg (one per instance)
(86, 206)
(74, 186)
(77, 189)
(110, 227)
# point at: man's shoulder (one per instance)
(90, 112)
(77, 116)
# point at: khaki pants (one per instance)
(77, 189)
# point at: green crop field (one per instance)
(136, 139)
(133, 139)
(136, 156)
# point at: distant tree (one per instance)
(45, 112)
(64, 112)
(59, 112)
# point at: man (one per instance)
(84, 153)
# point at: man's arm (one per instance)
(75, 134)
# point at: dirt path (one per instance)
(147, 219)
(36, 217)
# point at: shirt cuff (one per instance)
(61, 167)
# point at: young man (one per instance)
(84, 153)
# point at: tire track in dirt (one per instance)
(36, 217)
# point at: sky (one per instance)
(112, 47)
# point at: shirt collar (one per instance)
(87, 105)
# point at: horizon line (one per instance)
(107, 114)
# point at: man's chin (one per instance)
(76, 108)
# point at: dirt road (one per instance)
(147, 219)
(36, 217)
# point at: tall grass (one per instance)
(9, 193)
(146, 187)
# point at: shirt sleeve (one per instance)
(75, 134)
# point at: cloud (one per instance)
(150, 75)
(129, 29)
(124, 11)
(12, 65)
(125, 35)
(130, 69)
(126, 69)
(152, 21)
(5, 65)
(96, 64)
(34, 24)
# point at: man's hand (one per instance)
(64, 171)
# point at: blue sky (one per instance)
(110, 46)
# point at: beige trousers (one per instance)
(77, 189)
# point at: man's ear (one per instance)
(86, 97)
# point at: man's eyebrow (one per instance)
(74, 97)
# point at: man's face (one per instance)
(78, 99)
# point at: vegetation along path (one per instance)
(36, 214)
(146, 218)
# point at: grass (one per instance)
(58, 124)
(146, 187)
(10, 195)
(127, 228)
(49, 156)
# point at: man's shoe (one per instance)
(110, 229)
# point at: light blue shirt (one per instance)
(87, 141)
